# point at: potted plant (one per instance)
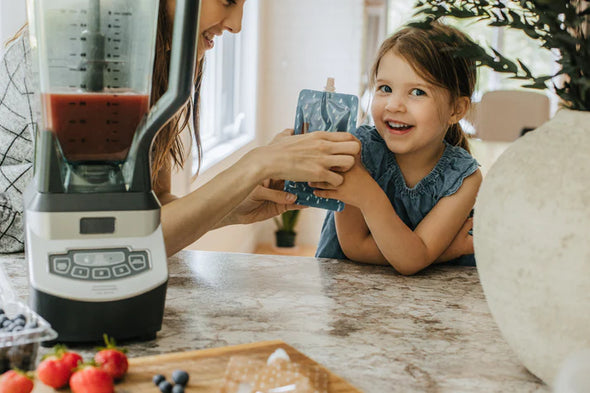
(285, 233)
(532, 215)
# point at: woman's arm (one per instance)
(317, 156)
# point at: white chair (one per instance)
(504, 115)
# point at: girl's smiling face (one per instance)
(410, 113)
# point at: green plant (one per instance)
(288, 221)
(556, 24)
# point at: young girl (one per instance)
(408, 201)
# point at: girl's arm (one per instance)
(237, 195)
(354, 235)
(411, 251)
(406, 250)
(355, 239)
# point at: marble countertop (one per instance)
(380, 331)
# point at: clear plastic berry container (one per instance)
(21, 330)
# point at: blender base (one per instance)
(138, 318)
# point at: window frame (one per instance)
(222, 67)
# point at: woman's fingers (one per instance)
(316, 156)
(339, 163)
(336, 142)
(321, 185)
(325, 193)
(284, 133)
(273, 195)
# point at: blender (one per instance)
(93, 241)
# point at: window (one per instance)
(228, 93)
(541, 61)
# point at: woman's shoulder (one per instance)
(16, 50)
(455, 165)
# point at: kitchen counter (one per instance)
(380, 331)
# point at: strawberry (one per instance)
(112, 359)
(88, 378)
(16, 381)
(56, 368)
(53, 372)
(71, 359)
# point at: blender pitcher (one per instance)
(94, 243)
(95, 71)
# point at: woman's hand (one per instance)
(319, 156)
(353, 190)
(265, 201)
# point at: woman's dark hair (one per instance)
(168, 143)
(432, 53)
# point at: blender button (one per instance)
(80, 272)
(114, 257)
(121, 270)
(61, 265)
(101, 273)
(138, 265)
(84, 258)
(136, 258)
(137, 262)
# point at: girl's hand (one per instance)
(462, 244)
(265, 201)
(353, 190)
(319, 156)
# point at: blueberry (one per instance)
(165, 387)
(180, 377)
(31, 325)
(178, 389)
(19, 322)
(158, 378)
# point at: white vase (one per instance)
(532, 242)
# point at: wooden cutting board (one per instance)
(206, 368)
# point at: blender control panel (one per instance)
(98, 265)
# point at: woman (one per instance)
(241, 194)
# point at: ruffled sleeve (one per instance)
(458, 164)
(374, 152)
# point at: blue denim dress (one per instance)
(410, 204)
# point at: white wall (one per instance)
(302, 42)
(12, 17)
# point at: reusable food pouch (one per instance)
(322, 111)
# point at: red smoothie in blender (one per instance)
(94, 126)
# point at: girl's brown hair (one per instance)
(432, 53)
